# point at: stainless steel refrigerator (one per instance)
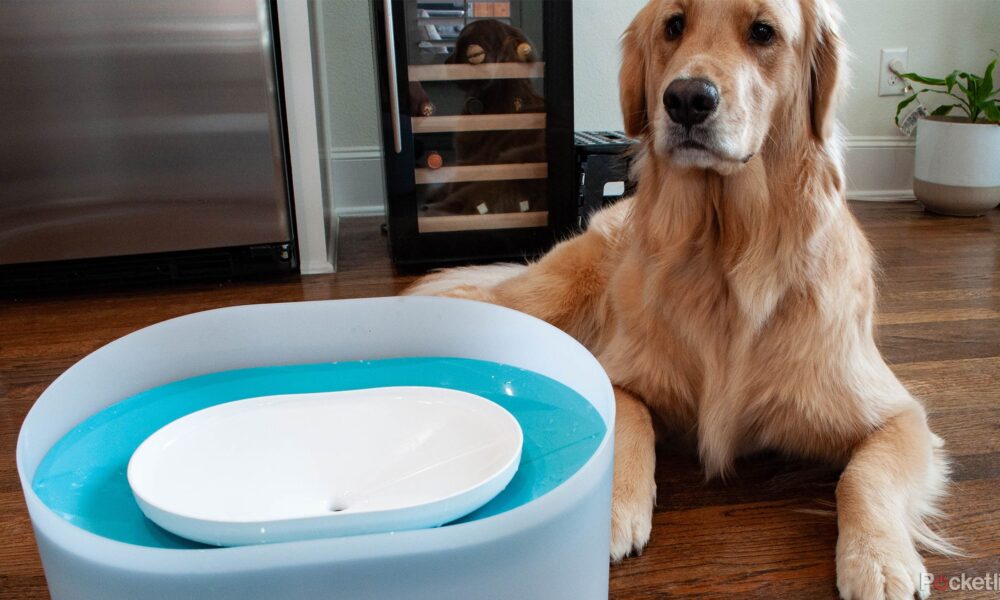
(140, 127)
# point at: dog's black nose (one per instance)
(691, 101)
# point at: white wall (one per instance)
(940, 34)
(597, 26)
(347, 80)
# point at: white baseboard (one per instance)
(356, 176)
(879, 169)
(882, 196)
(372, 210)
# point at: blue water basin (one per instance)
(83, 476)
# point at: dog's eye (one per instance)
(761, 33)
(675, 27)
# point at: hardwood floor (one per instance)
(767, 533)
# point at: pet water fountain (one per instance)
(545, 535)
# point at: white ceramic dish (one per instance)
(306, 466)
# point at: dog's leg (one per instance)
(634, 480)
(565, 287)
(888, 487)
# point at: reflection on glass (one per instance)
(478, 108)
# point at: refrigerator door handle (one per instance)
(390, 51)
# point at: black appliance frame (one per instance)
(412, 250)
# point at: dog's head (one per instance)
(707, 82)
(490, 41)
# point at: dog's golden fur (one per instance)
(732, 297)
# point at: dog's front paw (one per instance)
(878, 567)
(631, 521)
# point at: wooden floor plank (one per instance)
(768, 532)
(935, 341)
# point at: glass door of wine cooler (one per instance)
(477, 125)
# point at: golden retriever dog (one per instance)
(732, 296)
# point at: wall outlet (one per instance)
(888, 83)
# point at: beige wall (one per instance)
(940, 34)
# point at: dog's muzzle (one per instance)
(690, 102)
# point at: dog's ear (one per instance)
(632, 79)
(828, 66)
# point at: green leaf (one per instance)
(991, 109)
(987, 86)
(943, 110)
(973, 89)
(964, 76)
(922, 79)
(903, 105)
(951, 80)
(977, 94)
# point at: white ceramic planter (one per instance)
(957, 170)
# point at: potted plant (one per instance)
(957, 170)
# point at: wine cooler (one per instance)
(477, 127)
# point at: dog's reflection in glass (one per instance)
(485, 42)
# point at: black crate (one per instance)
(603, 161)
